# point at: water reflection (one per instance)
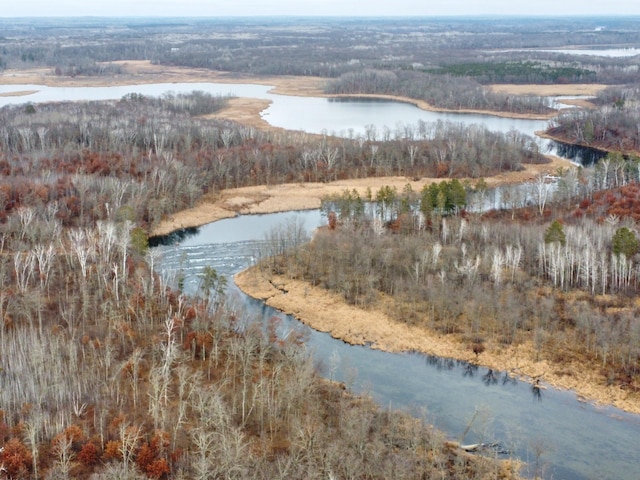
(584, 156)
(471, 370)
(536, 389)
(489, 378)
(440, 363)
(173, 238)
(507, 378)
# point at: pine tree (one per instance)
(555, 233)
(624, 243)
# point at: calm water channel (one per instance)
(567, 438)
(574, 440)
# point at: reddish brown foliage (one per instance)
(16, 458)
(199, 342)
(88, 454)
(150, 457)
(112, 451)
(623, 202)
(332, 218)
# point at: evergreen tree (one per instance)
(555, 233)
(624, 242)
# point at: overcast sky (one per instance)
(217, 8)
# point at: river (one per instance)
(547, 428)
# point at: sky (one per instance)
(219, 8)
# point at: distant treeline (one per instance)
(330, 47)
(444, 91)
(518, 72)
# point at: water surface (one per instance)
(575, 440)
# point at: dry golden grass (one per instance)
(20, 93)
(302, 196)
(550, 90)
(328, 312)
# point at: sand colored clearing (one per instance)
(328, 312)
(139, 72)
(303, 196)
(245, 111)
(589, 89)
(21, 93)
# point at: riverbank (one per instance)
(605, 150)
(304, 196)
(328, 312)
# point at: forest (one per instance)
(108, 371)
(156, 156)
(143, 381)
(611, 126)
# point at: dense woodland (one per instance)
(88, 160)
(442, 91)
(613, 125)
(108, 373)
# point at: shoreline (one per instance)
(305, 196)
(328, 312)
(600, 149)
(423, 105)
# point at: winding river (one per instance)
(555, 433)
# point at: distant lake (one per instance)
(608, 52)
(342, 116)
(597, 52)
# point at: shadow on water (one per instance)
(173, 238)
(585, 156)
(536, 389)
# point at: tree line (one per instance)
(612, 126)
(440, 90)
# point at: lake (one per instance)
(596, 52)
(311, 114)
(345, 117)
